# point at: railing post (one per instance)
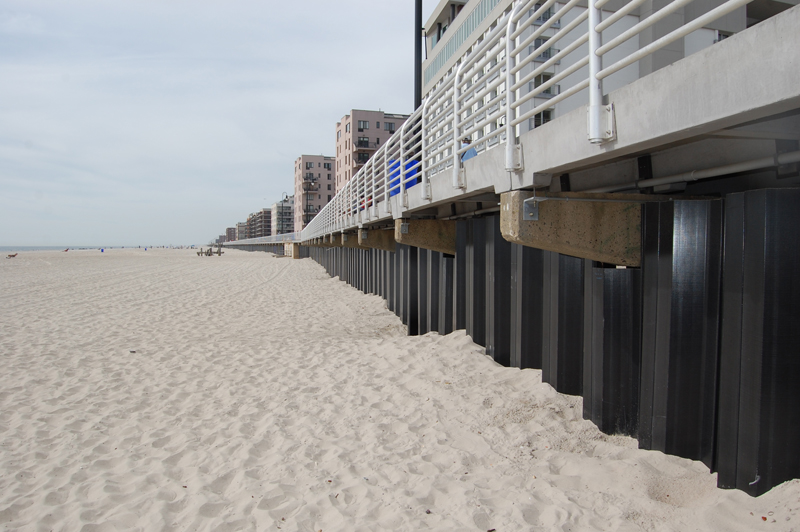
(386, 175)
(426, 186)
(513, 157)
(600, 119)
(402, 161)
(457, 182)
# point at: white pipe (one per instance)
(754, 164)
(596, 130)
(630, 6)
(646, 23)
(425, 188)
(511, 136)
(456, 113)
(694, 25)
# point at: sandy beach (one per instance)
(158, 390)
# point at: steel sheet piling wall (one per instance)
(562, 323)
(475, 271)
(498, 292)
(759, 418)
(446, 294)
(526, 302)
(681, 268)
(422, 290)
(433, 296)
(460, 278)
(612, 348)
(690, 362)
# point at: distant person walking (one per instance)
(470, 153)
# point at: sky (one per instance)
(162, 122)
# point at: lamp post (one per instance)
(418, 55)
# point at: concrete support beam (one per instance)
(436, 235)
(350, 240)
(603, 231)
(292, 250)
(377, 239)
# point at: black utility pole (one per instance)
(418, 55)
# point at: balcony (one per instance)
(311, 209)
(549, 92)
(547, 15)
(308, 217)
(310, 186)
(309, 177)
(366, 145)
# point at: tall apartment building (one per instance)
(283, 216)
(358, 136)
(314, 186)
(241, 230)
(230, 234)
(259, 224)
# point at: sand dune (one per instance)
(159, 390)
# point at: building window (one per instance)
(542, 79)
(363, 142)
(329, 186)
(542, 118)
(347, 127)
(329, 197)
(388, 126)
(363, 124)
(377, 141)
(329, 177)
(377, 125)
(309, 165)
(327, 166)
(362, 158)
(547, 53)
(338, 134)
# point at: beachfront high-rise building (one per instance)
(358, 137)
(241, 230)
(230, 234)
(283, 216)
(314, 186)
(259, 224)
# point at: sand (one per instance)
(159, 390)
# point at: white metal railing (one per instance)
(488, 93)
(275, 239)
